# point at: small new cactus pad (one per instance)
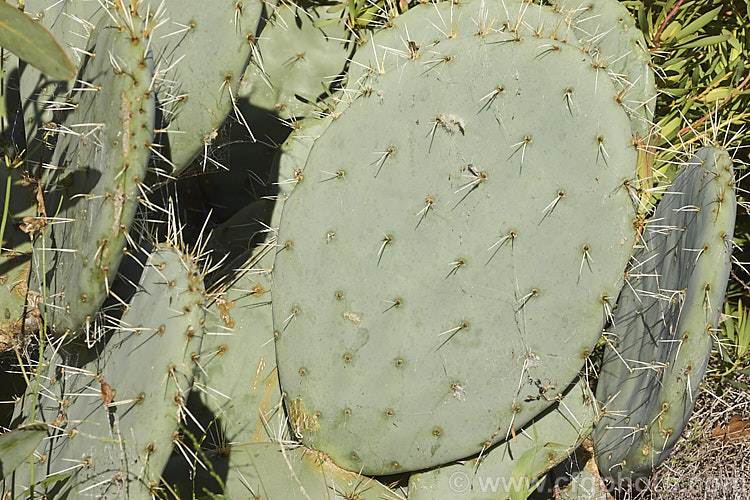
(298, 59)
(92, 194)
(661, 337)
(116, 406)
(510, 467)
(462, 249)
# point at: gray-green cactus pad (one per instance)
(607, 31)
(418, 33)
(511, 467)
(272, 470)
(236, 372)
(661, 339)
(115, 407)
(201, 52)
(429, 271)
(290, 159)
(602, 28)
(297, 58)
(100, 161)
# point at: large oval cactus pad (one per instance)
(431, 270)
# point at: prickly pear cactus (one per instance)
(510, 467)
(662, 331)
(101, 157)
(302, 53)
(276, 470)
(608, 33)
(115, 406)
(419, 255)
(236, 369)
(603, 29)
(455, 226)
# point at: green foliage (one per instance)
(731, 348)
(699, 51)
(736, 328)
(32, 43)
(17, 445)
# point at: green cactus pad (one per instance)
(291, 157)
(661, 339)
(116, 406)
(609, 33)
(201, 54)
(71, 23)
(417, 33)
(510, 467)
(101, 157)
(298, 57)
(236, 369)
(405, 254)
(603, 29)
(271, 470)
